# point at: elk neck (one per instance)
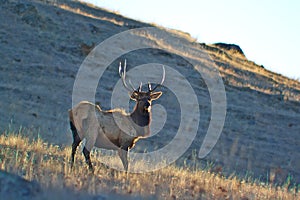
(140, 118)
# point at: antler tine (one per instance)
(149, 86)
(120, 69)
(122, 74)
(162, 81)
(131, 85)
(140, 87)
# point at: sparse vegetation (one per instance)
(42, 52)
(48, 164)
(83, 13)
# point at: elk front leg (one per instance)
(123, 154)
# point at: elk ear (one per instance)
(134, 96)
(155, 95)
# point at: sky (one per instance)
(268, 31)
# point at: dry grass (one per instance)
(49, 165)
(86, 14)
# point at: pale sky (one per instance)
(268, 31)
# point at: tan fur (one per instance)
(113, 129)
(100, 129)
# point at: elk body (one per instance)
(101, 130)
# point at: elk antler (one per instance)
(162, 81)
(122, 73)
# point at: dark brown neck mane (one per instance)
(141, 118)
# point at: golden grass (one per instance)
(86, 14)
(49, 165)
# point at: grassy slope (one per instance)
(49, 165)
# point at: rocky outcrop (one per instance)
(232, 48)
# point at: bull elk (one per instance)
(100, 129)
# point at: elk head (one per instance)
(143, 98)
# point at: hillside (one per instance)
(43, 44)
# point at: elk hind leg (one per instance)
(76, 142)
(90, 142)
(88, 161)
(123, 154)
